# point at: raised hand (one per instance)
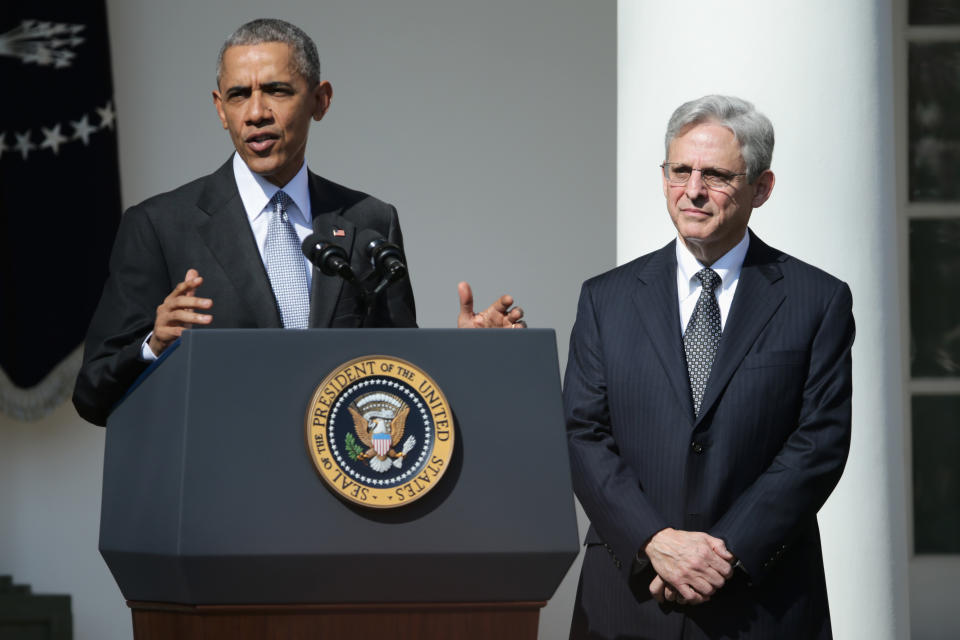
(498, 315)
(178, 312)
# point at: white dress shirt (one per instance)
(688, 285)
(256, 192)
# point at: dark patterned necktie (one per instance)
(702, 336)
(285, 266)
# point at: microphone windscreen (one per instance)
(310, 245)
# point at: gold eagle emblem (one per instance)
(379, 419)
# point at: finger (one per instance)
(704, 587)
(466, 316)
(466, 297)
(657, 588)
(669, 593)
(720, 565)
(698, 599)
(714, 578)
(728, 572)
(184, 316)
(192, 278)
(503, 303)
(721, 549)
(515, 314)
(519, 325)
(688, 594)
(189, 302)
(186, 287)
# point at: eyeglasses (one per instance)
(716, 179)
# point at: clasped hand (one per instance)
(691, 566)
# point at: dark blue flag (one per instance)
(59, 194)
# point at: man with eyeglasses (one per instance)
(707, 398)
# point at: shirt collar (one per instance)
(727, 267)
(256, 191)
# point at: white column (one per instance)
(822, 72)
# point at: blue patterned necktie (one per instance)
(702, 336)
(285, 266)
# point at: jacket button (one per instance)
(697, 447)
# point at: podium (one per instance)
(216, 523)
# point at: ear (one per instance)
(218, 103)
(322, 94)
(763, 187)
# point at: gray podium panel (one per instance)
(210, 495)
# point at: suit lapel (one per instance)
(658, 310)
(228, 236)
(756, 300)
(327, 218)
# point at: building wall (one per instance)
(490, 125)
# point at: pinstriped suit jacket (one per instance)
(753, 469)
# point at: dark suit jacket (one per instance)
(203, 225)
(753, 469)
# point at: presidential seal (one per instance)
(380, 431)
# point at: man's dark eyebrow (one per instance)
(241, 90)
(236, 90)
(272, 86)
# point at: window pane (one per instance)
(934, 11)
(934, 129)
(935, 298)
(936, 474)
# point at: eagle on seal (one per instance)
(379, 420)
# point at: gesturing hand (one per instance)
(691, 565)
(176, 313)
(497, 315)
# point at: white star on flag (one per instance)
(52, 139)
(82, 129)
(39, 56)
(3, 143)
(24, 146)
(107, 115)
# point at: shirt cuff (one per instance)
(146, 353)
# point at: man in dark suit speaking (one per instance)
(707, 398)
(224, 250)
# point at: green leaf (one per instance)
(353, 449)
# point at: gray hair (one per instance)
(305, 60)
(752, 129)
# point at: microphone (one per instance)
(332, 260)
(386, 257)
